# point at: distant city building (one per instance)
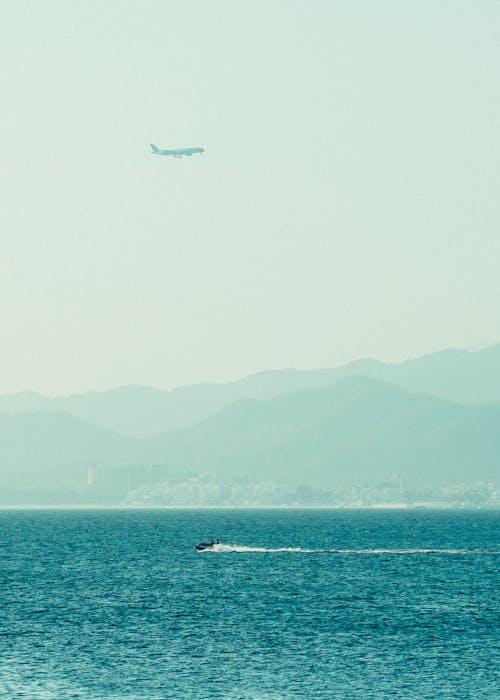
(159, 484)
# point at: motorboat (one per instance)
(202, 546)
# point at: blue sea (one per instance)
(102, 604)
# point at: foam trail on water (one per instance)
(301, 550)
(245, 548)
(409, 551)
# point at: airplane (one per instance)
(175, 152)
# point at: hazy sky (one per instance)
(346, 205)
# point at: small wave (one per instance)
(218, 548)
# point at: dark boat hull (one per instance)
(205, 545)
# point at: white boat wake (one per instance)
(221, 548)
(245, 548)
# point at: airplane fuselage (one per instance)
(175, 152)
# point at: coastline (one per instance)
(373, 507)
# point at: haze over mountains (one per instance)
(433, 419)
(141, 411)
(349, 432)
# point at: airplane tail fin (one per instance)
(154, 148)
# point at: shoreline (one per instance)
(374, 507)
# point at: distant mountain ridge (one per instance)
(139, 411)
(49, 447)
(433, 420)
(355, 430)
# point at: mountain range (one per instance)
(140, 411)
(432, 419)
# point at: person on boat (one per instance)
(217, 541)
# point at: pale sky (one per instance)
(346, 205)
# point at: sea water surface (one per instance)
(347, 604)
